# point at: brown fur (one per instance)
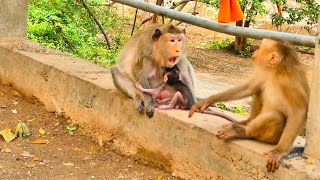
(280, 103)
(144, 56)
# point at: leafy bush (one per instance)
(306, 11)
(220, 44)
(65, 25)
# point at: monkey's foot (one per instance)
(150, 111)
(273, 160)
(227, 132)
(163, 107)
(139, 104)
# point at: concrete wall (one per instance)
(186, 147)
(13, 19)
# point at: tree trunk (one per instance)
(237, 42)
(243, 43)
(154, 19)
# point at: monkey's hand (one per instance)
(22, 130)
(273, 159)
(200, 105)
(138, 86)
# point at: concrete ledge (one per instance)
(186, 147)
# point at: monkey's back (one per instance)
(185, 92)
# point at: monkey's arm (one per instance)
(164, 100)
(293, 126)
(239, 92)
(154, 91)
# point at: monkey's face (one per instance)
(172, 75)
(266, 56)
(172, 47)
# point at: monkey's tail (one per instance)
(215, 113)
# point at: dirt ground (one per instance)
(71, 155)
(68, 154)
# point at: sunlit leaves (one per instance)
(7, 135)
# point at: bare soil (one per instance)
(68, 155)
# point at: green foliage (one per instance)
(239, 109)
(220, 44)
(229, 44)
(65, 25)
(306, 11)
(244, 53)
(221, 106)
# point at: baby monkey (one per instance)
(174, 94)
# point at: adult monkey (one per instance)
(281, 97)
(143, 58)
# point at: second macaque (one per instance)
(172, 93)
(280, 92)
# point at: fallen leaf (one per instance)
(35, 158)
(6, 150)
(30, 120)
(42, 132)
(7, 135)
(14, 111)
(77, 149)
(92, 148)
(40, 141)
(3, 106)
(100, 141)
(308, 162)
(160, 177)
(15, 103)
(71, 127)
(68, 164)
(26, 154)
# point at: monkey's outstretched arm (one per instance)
(239, 92)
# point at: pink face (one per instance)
(172, 47)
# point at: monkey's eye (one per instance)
(179, 40)
(172, 40)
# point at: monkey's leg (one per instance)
(124, 84)
(176, 100)
(232, 130)
(266, 127)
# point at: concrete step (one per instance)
(170, 140)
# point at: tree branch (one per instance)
(134, 22)
(97, 22)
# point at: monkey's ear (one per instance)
(165, 78)
(184, 31)
(180, 77)
(274, 59)
(157, 33)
